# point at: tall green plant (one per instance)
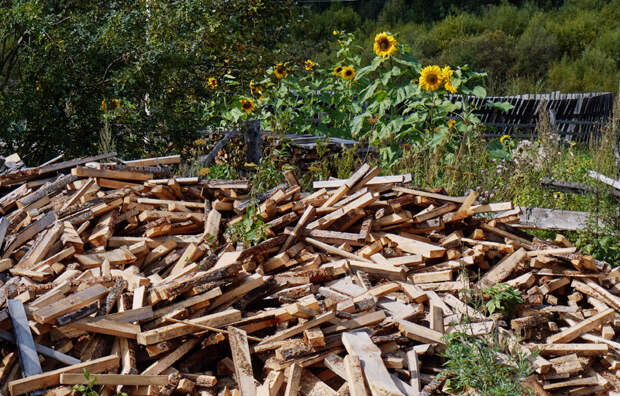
(390, 103)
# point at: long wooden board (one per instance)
(52, 378)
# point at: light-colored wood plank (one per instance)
(582, 327)
(359, 344)
(293, 380)
(52, 378)
(70, 303)
(503, 269)
(419, 333)
(243, 363)
(178, 330)
(114, 379)
(355, 376)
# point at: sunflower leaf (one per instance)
(480, 91)
(503, 106)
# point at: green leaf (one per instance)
(370, 90)
(370, 68)
(357, 123)
(503, 106)
(480, 91)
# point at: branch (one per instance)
(205, 161)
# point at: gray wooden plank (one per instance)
(43, 350)
(4, 225)
(25, 343)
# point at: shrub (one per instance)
(73, 56)
(492, 51)
(590, 73)
(474, 363)
(536, 49)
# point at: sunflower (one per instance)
(385, 45)
(503, 139)
(247, 105)
(116, 103)
(309, 65)
(335, 32)
(348, 73)
(431, 78)
(212, 82)
(255, 89)
(337, 70)
(281, 70)
(447, 75)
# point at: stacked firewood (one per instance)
(126, 272)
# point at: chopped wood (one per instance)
(241, 358)
(350, 294)
(52, 378)
(360, 345)
(355, 376)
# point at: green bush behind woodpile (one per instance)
(525, 47)
(67, 68)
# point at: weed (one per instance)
(502, 297)
(487, 364)
(106, 141)
(223, 171)
(345, 162)
(87, 389)
(267, 176)
(250, 230)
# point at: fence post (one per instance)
(253, 140)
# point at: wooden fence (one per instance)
(576, 116)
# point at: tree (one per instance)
(141, 67)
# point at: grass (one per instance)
(514, 172)
(488, 364)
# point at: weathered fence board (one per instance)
(577, 116)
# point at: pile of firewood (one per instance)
(120, 269)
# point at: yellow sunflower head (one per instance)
(504, 139)
(212, 82)
(348, 73)
(281, 70)
(255, 89)
(449, 87)
(431, 78)
(335, 32)
(447, 73)
(451, 123)
(385, 45)
(309, 65)
(247, 105)
(115, 103)
(338, 70)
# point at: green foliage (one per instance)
(62, 60)
(223, 172)
(524, 47)
(542, 48)
(501, 297)
(250, 230)
(486, 364)
(605, 247)
(381, 103)
(87, 389)
(588, 73)
(266, 177)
